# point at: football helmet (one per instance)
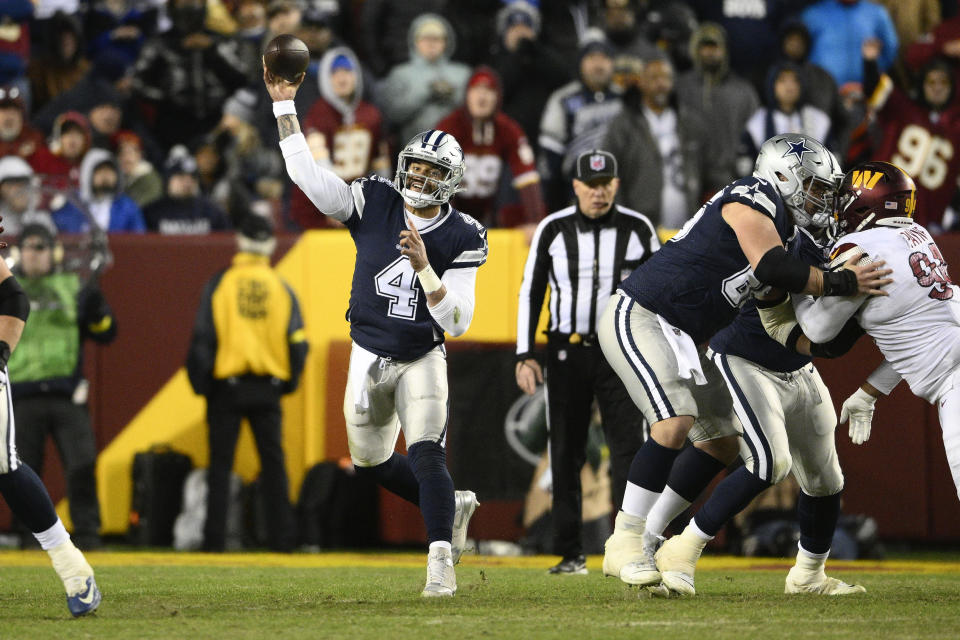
(805, 174)
(439, 149)
(875, 194)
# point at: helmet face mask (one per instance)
(875, 194)
(429, 169)
(805, 173)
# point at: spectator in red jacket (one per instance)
(60, 166)
(492, 143)
(17, 138)
(343, 130)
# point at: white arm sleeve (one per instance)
(331, 195)
(884, 378)
(455, 311)
(822, 319)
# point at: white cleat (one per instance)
(677, 561)
(817, 582)
(625, 545)
(441, 578)
(643, 572)
(466, 503)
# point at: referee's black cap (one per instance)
(594, 165)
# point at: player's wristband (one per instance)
(839, 283)
(284, 108)
(429, 280)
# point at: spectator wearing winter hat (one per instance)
(60, 166)
(183, 210)
(418, 93)
(343, 131)
(17, 138)
(141, 181)
(19, 199)
(529, 69)
(576, 117)
(493, 143)
(104, 206)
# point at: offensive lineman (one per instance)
(920, 317)
(683, 295)
(21, 488)
(416, 266)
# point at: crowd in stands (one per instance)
(153, 113)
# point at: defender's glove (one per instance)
(859, 409)
(780, 320)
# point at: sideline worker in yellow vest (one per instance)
(248, 349)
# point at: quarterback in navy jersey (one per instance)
(653, 330)
(414, 279)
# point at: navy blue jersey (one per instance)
(700, 278)
(388, 308)
(745, 336)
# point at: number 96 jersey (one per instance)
(916, 326)
(388, 309)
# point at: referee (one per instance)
(582, 252)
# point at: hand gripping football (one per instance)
(286, 56)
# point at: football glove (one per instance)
(858, 408)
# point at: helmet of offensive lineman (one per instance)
(875, 194)
(805, 174)
(439, 149)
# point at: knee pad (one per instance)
(781, 468)
(822, 484)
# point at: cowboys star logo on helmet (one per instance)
(440, 150)
(797, 149)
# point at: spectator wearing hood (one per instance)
(183, 210)
(492, 144)
(17, 137)
(186, 74)
(724, 100)
(418, 93)
(342, 130)
(105, 206)
(62, 64)
(662, 146)
(385, 26)
(142, 182)
(575, 118)
(838, 30)
(529, 69)
(786, 110)
(60, 166)
(19, 198)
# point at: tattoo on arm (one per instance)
(288, 126)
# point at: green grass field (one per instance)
(358, 596)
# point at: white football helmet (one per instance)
(805, 173)
(440, 149)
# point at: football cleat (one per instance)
(677, 561)
(575, 566)
(644, 572)
(83, 596)
(802, 581)
(441, 578)
(466, 503)
(625, 545)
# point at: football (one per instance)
(286, 56)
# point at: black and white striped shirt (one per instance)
(583, 261)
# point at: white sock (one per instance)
(52, 537)
(697, 531)
(440, 544)
(668, 506)
(638, 501)
(820, 557)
